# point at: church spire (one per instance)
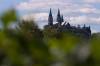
(50, 18)
(58, 12)
(62, 19)
(59, 20)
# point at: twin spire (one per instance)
(59, 18)
(50, 19)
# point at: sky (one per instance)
(74, 11)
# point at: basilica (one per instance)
(64, 26)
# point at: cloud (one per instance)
(32, 4)
(91, 1)
(94, 31)
(29, 6)
(84, 20)
(37, 16)
(40, 17)
(88, 10)
(65, 6)
(80, 11)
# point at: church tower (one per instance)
(59, 18)
(62, 19)
(50, 18)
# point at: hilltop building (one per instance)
(63, 26)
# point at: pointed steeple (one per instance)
(59, 20)
(50, 13)
(62, 19)
(50, 18)
(58, 12)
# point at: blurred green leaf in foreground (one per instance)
(27, 45)
(8, 16)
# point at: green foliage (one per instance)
(27, 45)
(95, 46)
(9, 16)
